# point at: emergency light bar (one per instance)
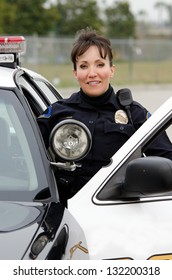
(10, 49)
(12, 44)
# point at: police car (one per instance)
(125, 210)
(33, 224)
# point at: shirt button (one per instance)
(91, 122)
(121, 127)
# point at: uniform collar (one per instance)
(83, 100)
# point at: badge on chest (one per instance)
(121, 117)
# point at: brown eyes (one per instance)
(84, 66)
(100, 64)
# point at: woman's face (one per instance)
(93, 72)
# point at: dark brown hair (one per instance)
(85, 39)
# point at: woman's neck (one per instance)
(97, 100)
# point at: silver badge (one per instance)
(121, 117)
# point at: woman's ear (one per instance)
(75, 74)
(113, 69)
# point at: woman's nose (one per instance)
(92, 72)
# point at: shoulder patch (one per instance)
(148, 115)
(47, 113)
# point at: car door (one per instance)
(119, 224)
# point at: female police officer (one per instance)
(96, 105)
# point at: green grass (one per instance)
(126, 73)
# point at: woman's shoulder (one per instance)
(73, 98)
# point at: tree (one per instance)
(167, 7)
(7, 16)
(120, 20)
(77, 14)
(64, 17)
(27, 17)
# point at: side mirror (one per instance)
(70, 141)
(148, 176)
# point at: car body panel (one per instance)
(18, 223)
(6, 77)
(22, 223)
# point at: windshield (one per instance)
(22, 174)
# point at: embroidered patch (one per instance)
(148, 115)
(47, 114)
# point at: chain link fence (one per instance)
(138, 61)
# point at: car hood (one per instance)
(18, 225)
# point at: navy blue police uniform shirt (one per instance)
(108, 124)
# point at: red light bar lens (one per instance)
(12, 44)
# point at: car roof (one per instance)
(7, 77)
(33, 74)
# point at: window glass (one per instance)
(28, 89)
(49, 91)
(22, 173)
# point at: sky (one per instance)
(148, 6)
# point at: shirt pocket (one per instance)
(125, 130)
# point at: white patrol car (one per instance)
(125, 210)
(33, 224)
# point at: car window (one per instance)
(22, 173)
(51, 94)
(36, 102)
(111, 191)
(39, 93)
